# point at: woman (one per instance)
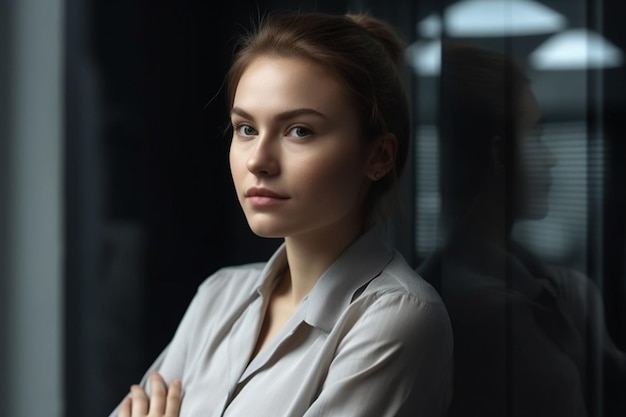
(335, 323)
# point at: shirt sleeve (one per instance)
(395, 360)
(171, 361)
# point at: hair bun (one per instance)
(384, 34)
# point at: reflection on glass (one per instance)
(487, 18)
(530, 337)
(576, 49)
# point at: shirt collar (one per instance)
(357, 265)
(274, 266)
(361, 262)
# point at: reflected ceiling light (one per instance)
(576, 49)
(430, 27)
(493, 18)
(424, 57)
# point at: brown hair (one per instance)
(364, 53)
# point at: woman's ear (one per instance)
(382, 156)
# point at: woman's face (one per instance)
(534, 160)
(296, 158)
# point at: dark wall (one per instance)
(614, 123)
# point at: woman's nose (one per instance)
(264, 159)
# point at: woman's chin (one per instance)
(266, 231)
(535, 212)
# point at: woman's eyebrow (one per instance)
(299, 112)
(240, 112)
(290, 114)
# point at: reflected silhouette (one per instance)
(530, 338)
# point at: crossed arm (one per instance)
(164, 400)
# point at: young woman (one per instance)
(335, 323)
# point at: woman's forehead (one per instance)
(271, 81)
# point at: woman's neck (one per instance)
(308, 256)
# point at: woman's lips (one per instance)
(263, 197)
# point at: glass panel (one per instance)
(516, 199)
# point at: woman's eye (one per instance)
(245, 130)
(299, 132)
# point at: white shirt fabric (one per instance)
(372, 338)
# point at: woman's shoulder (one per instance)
(233, 282)
(398, 279)
(223, 293)
(400, 295)
(399, 306)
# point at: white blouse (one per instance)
(372, 338)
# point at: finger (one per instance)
(174, 398)
(140, 401)
(158, 392)
(124, 409)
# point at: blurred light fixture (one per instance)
(493, 18)
(424, 57)
(430, 27)
(576, 49)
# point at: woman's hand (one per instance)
(164, 401)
